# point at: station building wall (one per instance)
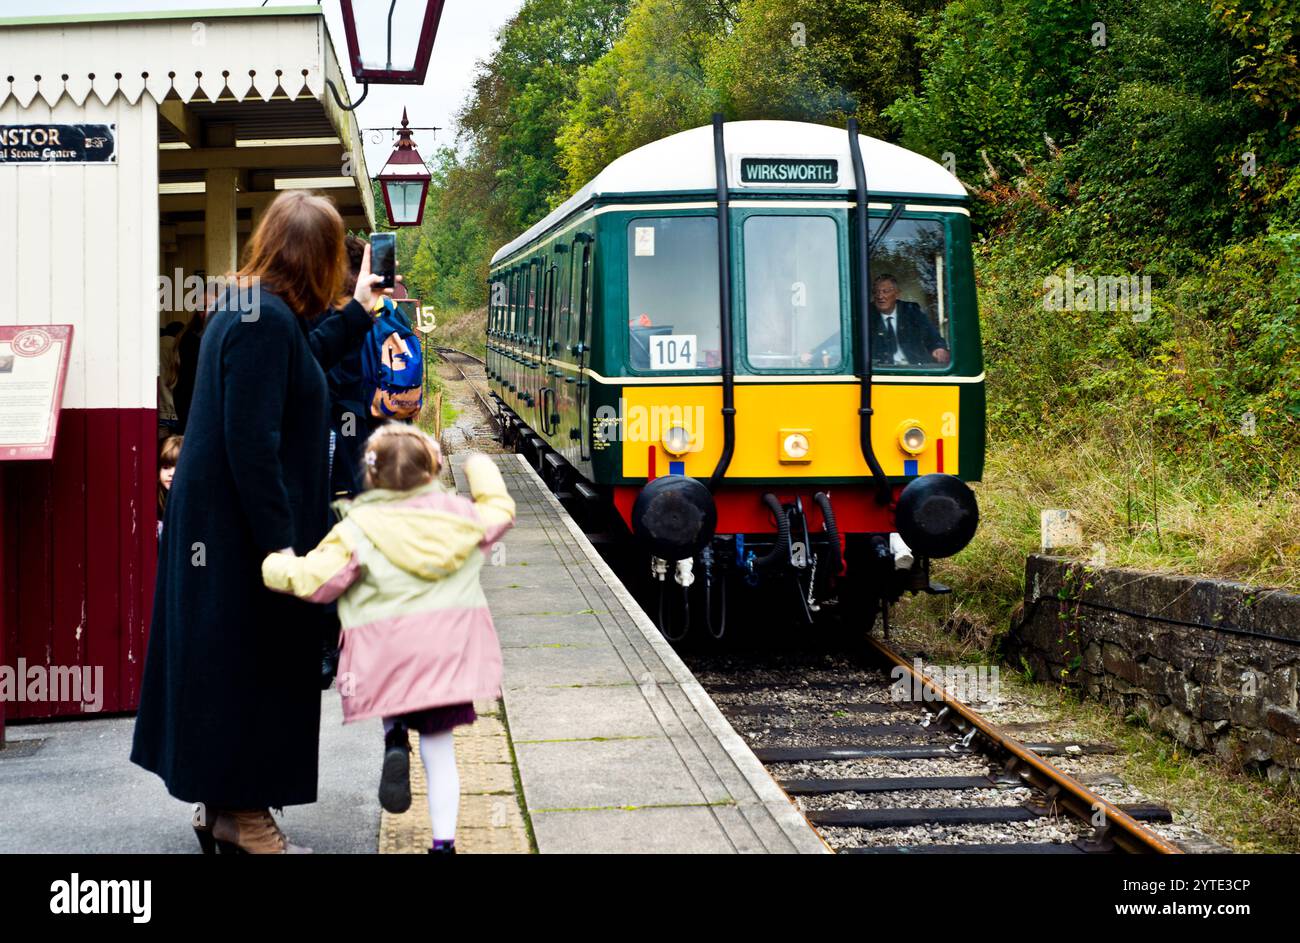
(79, 246)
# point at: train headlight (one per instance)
(911, 437)
(795, 446)
(677, 441)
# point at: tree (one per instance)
(649, 85)
(819, 60)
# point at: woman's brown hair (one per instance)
(399, 457)
(297, 252)
(168, 455)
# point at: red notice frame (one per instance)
(27, 341)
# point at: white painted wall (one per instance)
(79, 246)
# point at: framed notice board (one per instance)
(33, 368)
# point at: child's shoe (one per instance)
(395, 782)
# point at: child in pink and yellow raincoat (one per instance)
(418, 644)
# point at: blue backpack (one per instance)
(392, 367)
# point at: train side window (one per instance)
(672, 291)
(530, 296)
(548, 310)
(518, 319)
(560, 337)
(911, 325)
(793, 305)
(588, 291)
(576, 274)
(509, 320)
(516, 296)
(494, 305)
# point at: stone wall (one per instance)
(1214, 664)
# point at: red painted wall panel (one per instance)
(80, 551)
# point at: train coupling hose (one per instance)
(780, 553)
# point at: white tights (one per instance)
(439, 754)
(438, 751)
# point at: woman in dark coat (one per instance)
(230, 705)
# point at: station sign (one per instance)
(58, 144)
(790, 171)
(33, 368)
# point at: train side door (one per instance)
(516, 333)
(545, 315)
(529, 379)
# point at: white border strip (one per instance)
(943, 380)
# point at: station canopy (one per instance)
(241, 89)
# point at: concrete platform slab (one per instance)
(619, 749)
(676, 830)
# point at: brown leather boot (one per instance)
(253, 832)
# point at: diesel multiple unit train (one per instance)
(756, 344)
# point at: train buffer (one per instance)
(619, 749)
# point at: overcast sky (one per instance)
(466, 35)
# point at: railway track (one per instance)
(882, 761)
(473, 370)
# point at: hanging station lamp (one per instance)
(373, 61)
(404, 180)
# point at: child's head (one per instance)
(399, 457)
(168, 455)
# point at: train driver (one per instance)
(901, 332)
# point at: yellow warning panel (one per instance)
(818, 420)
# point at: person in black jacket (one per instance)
(350, 422)
(229, 711)
(901, 333)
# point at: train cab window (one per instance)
(911, 327)
(793, 307)
(672, 291)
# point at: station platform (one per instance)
(618, 748)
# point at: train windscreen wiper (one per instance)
(887, 225)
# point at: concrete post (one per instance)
(220, 222)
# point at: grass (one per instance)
(449, 412)
(1138, 510)
(462, 330)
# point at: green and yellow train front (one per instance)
(621, 372)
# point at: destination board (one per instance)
(788, 171)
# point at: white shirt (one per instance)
(891, 327)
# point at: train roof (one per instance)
(684, 163)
